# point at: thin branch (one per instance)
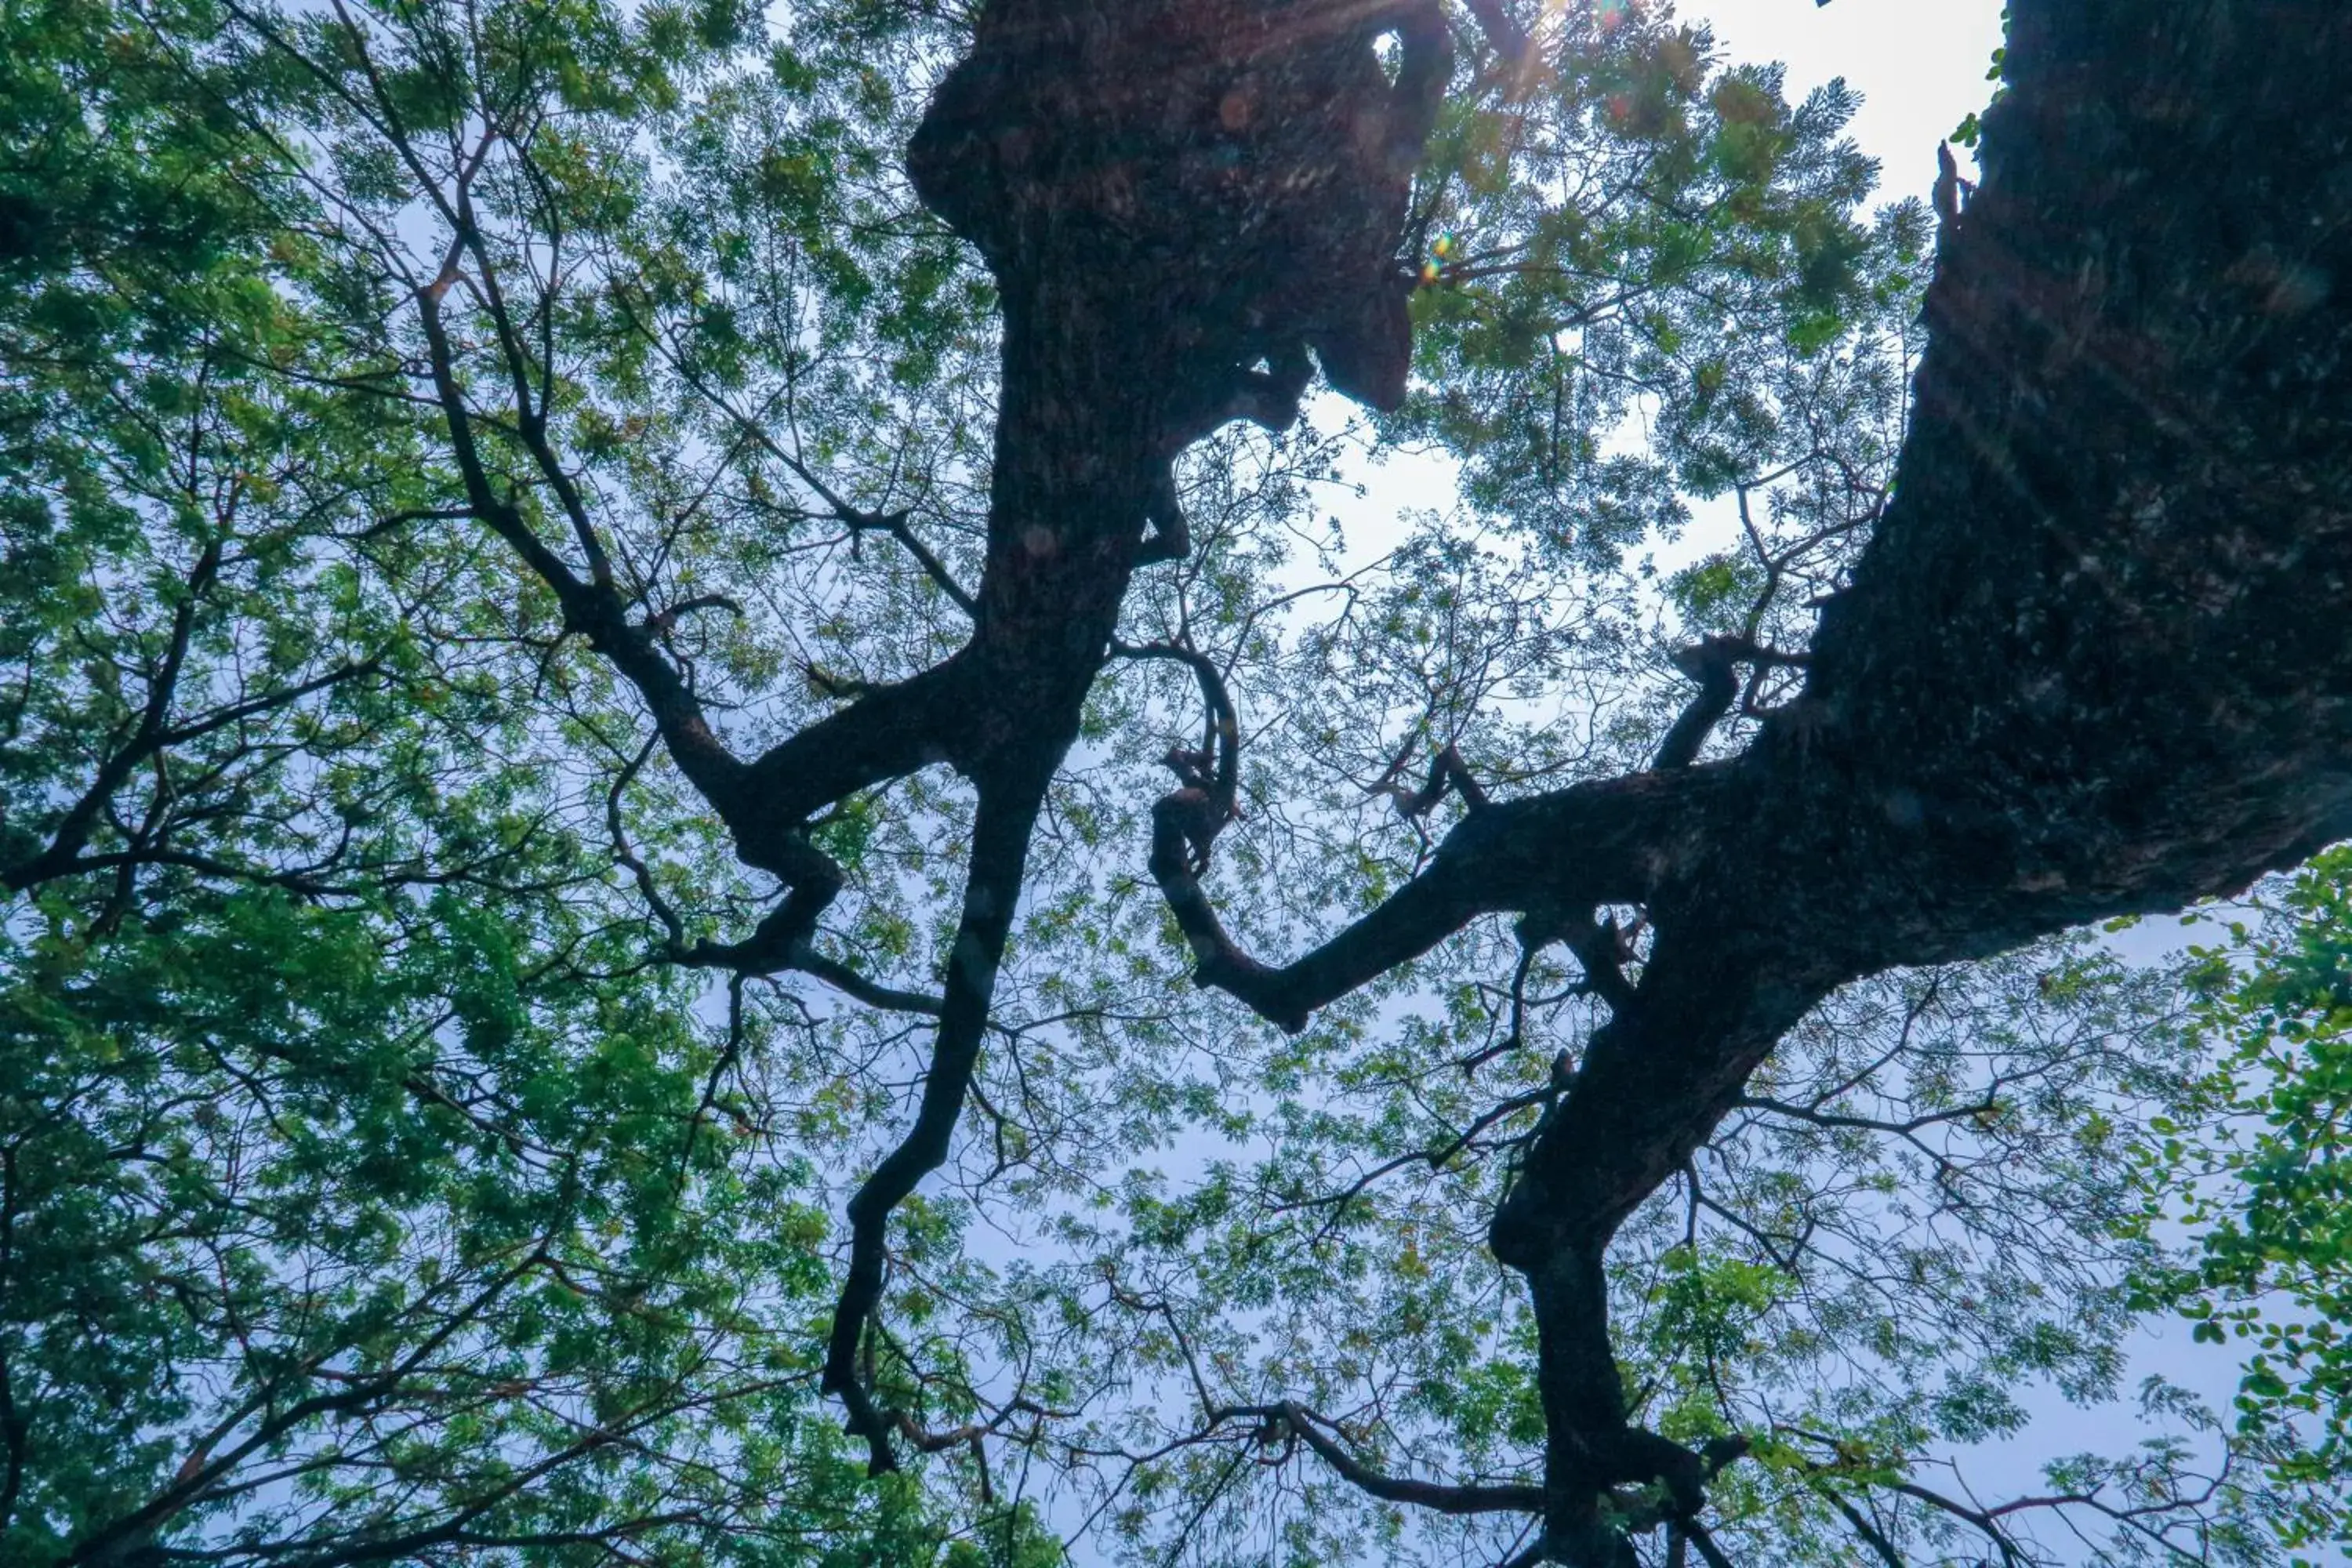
(1431, 1495)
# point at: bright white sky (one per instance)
(1919, 65)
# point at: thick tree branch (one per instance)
(2094, 660)
(1589, 845)
(595, 609)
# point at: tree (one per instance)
(441, 428)
(2265, 1184)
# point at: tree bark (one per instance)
(1165, 194)
(2096, 660)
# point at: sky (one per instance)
(1921, 67)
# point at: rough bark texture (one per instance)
(2096, 660)
(1177, 200)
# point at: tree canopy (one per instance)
(713, 853)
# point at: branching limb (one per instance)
(1985, 1519)
(1871, 1536)
(1007, 813)
(1987, 1105)
(153, 736)
(887, 732)
(594, 609)
(1287, 1418)
(858, 519)
(1209, 779)
(625, 856)
(890, 734)
(785, 940)
(1591, 844)
(1713, 663)
(848, 981)
(1446, 772)
(1435, 1158)
(895, 525)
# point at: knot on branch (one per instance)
(1223, 184)
(1186, 821)
(1447, 773)
(1627, 1480)
(1637, 1457)
(1713, 663)
(1197, 810)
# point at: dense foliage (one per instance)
(2262, 1176)
(408, 1151)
